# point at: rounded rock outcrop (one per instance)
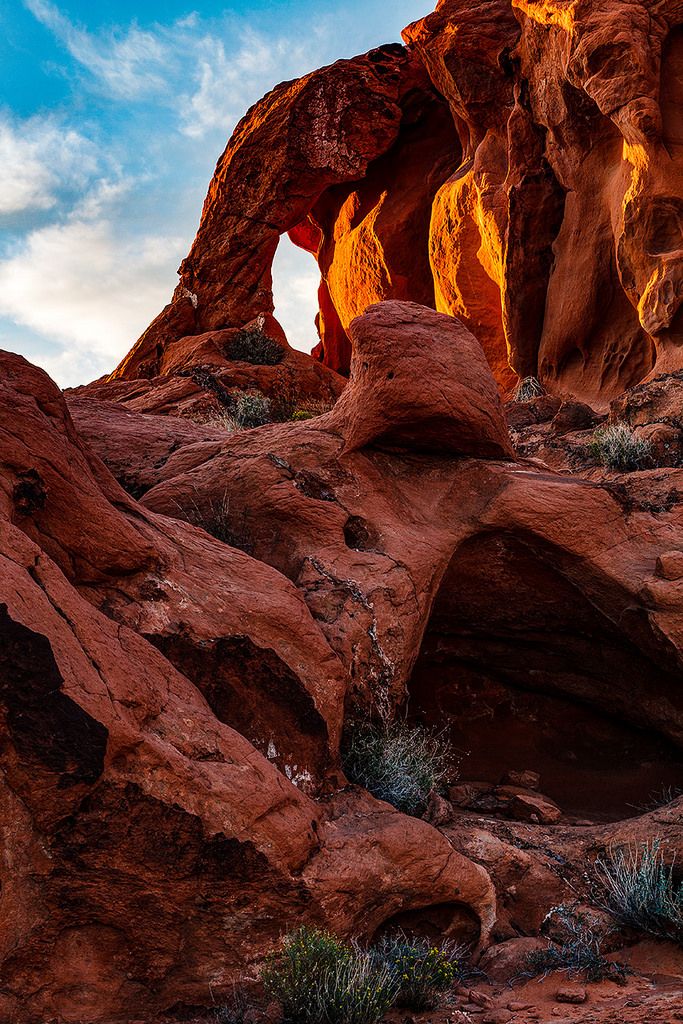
(419, 380)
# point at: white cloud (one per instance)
(226, 82)
(129, 64)
(207, 77)
(295, 291)
(38, 158)
(82, 285)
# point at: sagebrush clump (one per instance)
(616, 446)
(398, 762)
(528, 388)
(319, 979)
(211, 516)
(641, 890)
(422, 970)
(253, 346)
(235, 1011)
(577, 951)
(252, 409)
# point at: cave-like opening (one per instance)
(527, 674)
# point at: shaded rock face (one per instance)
(177, 674)
(518, 166)
(169, 721)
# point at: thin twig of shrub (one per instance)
(234, 1011)
(220, 418)
(528, 388)
(616, 446)
(578, 951)
(641, 891)
(398, 762)
(211, 516)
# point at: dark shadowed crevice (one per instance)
(437, 922)
(527, 673)
(47, 728)
(252, 690)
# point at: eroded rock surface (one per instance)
(193, 616)
(170, 709)
(517, 165)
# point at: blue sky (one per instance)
(112, 116)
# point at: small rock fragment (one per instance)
(571, 994)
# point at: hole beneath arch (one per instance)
(295, 293)
(438, 922)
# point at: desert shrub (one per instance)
(212, 516)
(252, 409)
(253, 346)
(641, 891)
(617, 447)
(309, 408)
(658, 798)
(319, 979)
(397, 762)
(578, 950)
(528, 388)
(422, 971)
(234, 1011)
(220, 418)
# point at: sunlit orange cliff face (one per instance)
(517, 165)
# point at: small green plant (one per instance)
(617, 447)
(398, 762)
(641, 891)
(302, 414)
(422, 971)
(578, 950)
(253, 346)
(252, 409)
(319, 979)
(528, 388)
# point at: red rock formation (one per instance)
(373, 234)
(139, 828)
(198, 377)
(548, 221)
(302, 138)
(397, 348)
(172, 706)
(543, 99)
(190, 619)
(438, 568)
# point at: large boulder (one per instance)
(419, 380)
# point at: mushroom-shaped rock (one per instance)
(420, 380)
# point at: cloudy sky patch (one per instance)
(111, 121)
